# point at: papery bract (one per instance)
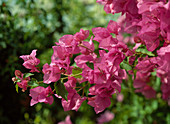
(41, 94)
(99, 103)
(163, 70)
(51, 73)
(23, 81)
(74, 100)
(82, 35)
(30, 61)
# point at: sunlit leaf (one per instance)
(27, 75)
(144, 51)
(76, 71)
(125, 65)
(16, 87)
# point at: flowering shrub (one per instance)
(97, 73)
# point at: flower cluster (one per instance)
(102, 70)
(101, 73)
(148, 23)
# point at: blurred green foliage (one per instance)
(38, 24)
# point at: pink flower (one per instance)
(108, 42)
(102, 94)
(61, 57)
(103, 36)
(163, 71)
(82, 35)
(165, 23)
(24, 81)
(99, 103)
(165, 87)
(105, 117)
(151, 39)
(147, 91)
(74, 100)
(67, 120)
(69, 44)
(82, 59)
(41, 94)
(60, 53)
(89, 47)
(163, 50)
(23, 84)
(100, 33)
(51, 73)
(113, 27)
(30, 61)
(88, 75)
(146, 65)
(140, 83)
(103, 90)
(66, 40)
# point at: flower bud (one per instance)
(18, 73)
(14, 79)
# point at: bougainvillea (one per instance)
(96, 75)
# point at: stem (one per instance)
(38, 68)
(83, 93)
(87, 48)
(40, 82)
(53, 91)
(82, 87)
(66, 74)
(77, 87)
(130, 83)
(64, 78)
(132, 51)
(76, 74)
(70, 76)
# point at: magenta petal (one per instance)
(113, 27)
(100, 103)
(66, 40)
(33, 102)
(50, 100)
(78, 103)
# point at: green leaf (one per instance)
(16, 87)
(125, 65)
(87, 89)
(134, 71)
(153, 73)
(168, 118)
(90, 65)
(144, 51)
(33, 83)
(61, 90)
(43, 85)
(74, 64)
(18, 80)
(75, 71)
(27, 75)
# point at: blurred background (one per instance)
(37, 24)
